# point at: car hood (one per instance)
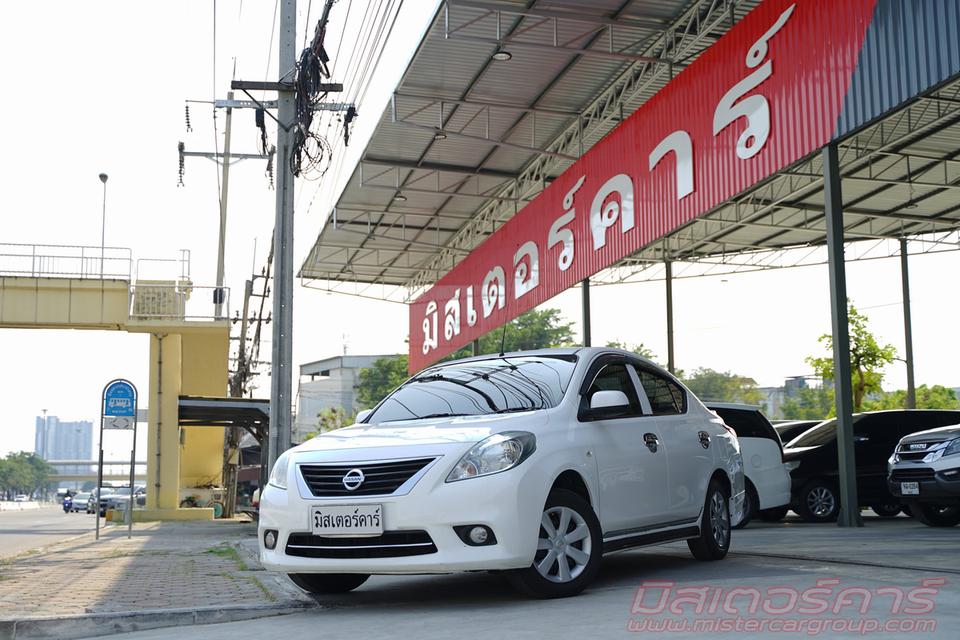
(432, 431)
(797, 453)
(934, 435)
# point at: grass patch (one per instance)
(266, 592)
(229, 552)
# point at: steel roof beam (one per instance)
(559, 14)
(439, 168)
(590, 53)
(491, 141)
(487, 104)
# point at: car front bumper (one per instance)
(944, 489)
(505, 502)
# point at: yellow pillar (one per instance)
(163, 439)
(204, 366)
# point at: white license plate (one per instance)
(347, 520)
(910, 488)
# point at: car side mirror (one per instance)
(363, 415)
(608, 400)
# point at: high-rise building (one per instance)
(58, 439)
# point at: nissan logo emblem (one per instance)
(353, 479)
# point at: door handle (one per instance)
(704, 439)
(652, 442)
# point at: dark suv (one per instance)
(812, 459)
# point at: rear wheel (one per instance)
(751, 505)
(886, 510)
(714, 540)
(321, 583)
(569, 548)
(935, 515)
(818, 501)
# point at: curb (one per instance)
(101, 624)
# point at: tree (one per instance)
(376, 382)
(867, 358)
(532, 330)
(935, 397)
(809, 403)
(331, 419)
(718, 386)
(25, 473)
(638, 349)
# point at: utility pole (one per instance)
(281, 379)
(218, 296)
(233, 435)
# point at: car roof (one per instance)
(731, 405)
(556, 352)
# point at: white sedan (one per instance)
(534, 463)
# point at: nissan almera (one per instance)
(535, 464)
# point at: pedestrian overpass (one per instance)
(101, 288)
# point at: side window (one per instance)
(613, 377)
(666, 397)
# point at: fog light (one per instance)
(951, 473)
(270, 539)
(476, 535)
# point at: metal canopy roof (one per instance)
(468, 140)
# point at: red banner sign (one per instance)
(765, 95)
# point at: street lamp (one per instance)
(103, 222)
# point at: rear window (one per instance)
(748, 424)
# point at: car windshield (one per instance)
(499, 385)
(122, 491)
(823, 433)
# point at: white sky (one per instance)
(92, 87)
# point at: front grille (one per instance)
(392, 544)
(912, 475)
(380, 478)
(917, 454)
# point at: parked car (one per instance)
(925, 475)
(535, 464)
(119, 497)
(812, 458)
(21, 498)
(792, 428)
(80, 502)
(767, 478)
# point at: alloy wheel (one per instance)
(720, 519)
(821, 501)
(564, 546)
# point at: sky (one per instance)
(109, 97)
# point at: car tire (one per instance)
(569, 549)
(774, 514)
(935, 515)
(714, 539)
(818, 501)
(327, 583)
(751, 504)
(886, 509)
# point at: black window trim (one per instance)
(641, 366)
(584, 414)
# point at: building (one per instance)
(326, 384)
(57, 439)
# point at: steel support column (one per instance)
(585, 290)
(671, 365)
(476, 347)
(833, 208)
(907, 325)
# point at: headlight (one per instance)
(948, 448)
(278, 475)
(497, 453)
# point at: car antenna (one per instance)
(503, 335)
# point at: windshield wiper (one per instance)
(439, 415)
(517, 409)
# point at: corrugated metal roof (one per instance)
(497, 117)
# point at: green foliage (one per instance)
(533, 330)
(384, 376)
(810, 404)
(935, 397)
(332, 419)
(718, 386)
(23, 473)
(638, 349)
(867, 358)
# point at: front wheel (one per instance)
(935, 515)
(714, 540)
(325, 583)
(569, 548)
(886, 510)
(818, 502)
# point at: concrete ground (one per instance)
(166, 573)
(888, 559)
(28, 529)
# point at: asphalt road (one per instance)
(887, 556)
(24, 530)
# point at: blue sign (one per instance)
(120, 399)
